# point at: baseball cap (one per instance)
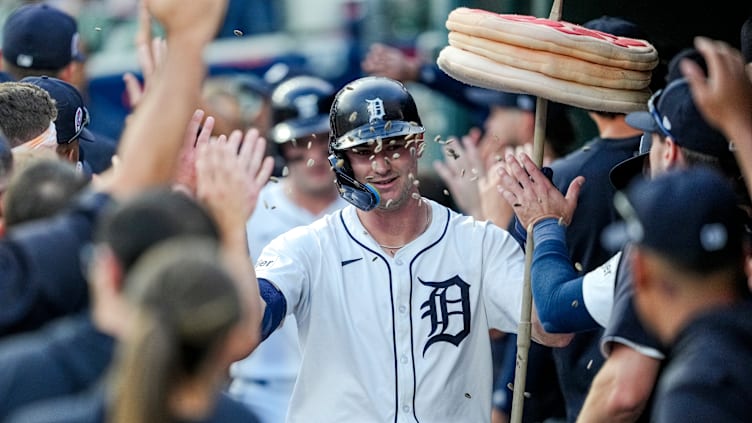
(72, 115)
(688, 216)
(487, 98)
(39, 36)
(672, 113)
(616, 26)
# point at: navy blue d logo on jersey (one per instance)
(448, 307)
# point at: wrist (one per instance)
(560, 220)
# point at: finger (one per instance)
(143, 35)
(267, 166)
(473, 157)
(573, 192)
(233, 141)
(133, 89)
(508, 182)
(258, 150)
(516, 170)
(539, 182)
(145, 61)
(246, 153)
(205, 135)
(191, 131)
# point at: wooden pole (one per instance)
(524, 328)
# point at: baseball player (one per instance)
(300, 109)
(394, 295)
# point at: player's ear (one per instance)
(671, 154)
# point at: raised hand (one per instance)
(383, 60)
(230, 176)
(461, 170)
(150, 53)
(198, 18)
(725, 96)
(532, 196)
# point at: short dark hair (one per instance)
(42, 189)
(18, 73)
(155, 215)
(26, 111)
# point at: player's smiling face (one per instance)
(390, 167)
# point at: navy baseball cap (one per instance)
(487, 98)
(672, 113)
(39, 36)
(72, 115)
(616, 26)
(688, 216)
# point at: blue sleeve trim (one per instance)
(276, 307)
(557, 288)
(518, 232)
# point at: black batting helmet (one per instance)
(372, 108)
(300, 107)
(368, 110)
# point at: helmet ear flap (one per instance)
(362, 196)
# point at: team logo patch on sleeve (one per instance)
(448, 308)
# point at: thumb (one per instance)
(573, 192)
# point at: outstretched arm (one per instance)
(622, 387)
(557, 288)
(725, 96)
(229, 179)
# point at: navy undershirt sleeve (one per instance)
(276, 307)
(557, 288)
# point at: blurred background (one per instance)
(266, 40)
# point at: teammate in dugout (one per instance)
(393, 311)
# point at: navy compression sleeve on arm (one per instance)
(557, 288)
(276, 307)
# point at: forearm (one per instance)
(742, 139)
(158, 124)
(237, 257)
(557, 288)
(621, 388)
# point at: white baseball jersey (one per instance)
(598, 287)
(264, 380)
(396, 339)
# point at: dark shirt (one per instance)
(90, 407)
(578, 363)
(595, 208)
(40, 266)
(708, 377)
(97, 153)
(63, 358)
(625, 327)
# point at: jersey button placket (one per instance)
(402, 316)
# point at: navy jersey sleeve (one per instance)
(625, 327)
(40, 269)
(276, 307)
(557, 288)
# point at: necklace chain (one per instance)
(425, 226)
(389, 247)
